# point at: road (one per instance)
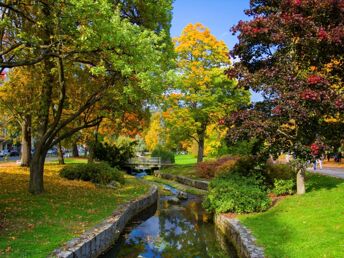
(335, 172)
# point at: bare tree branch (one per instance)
(68, 134)
(10, 7)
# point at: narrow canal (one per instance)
(173, 229)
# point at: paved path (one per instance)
(335, 172)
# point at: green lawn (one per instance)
(181, 170)
(33, 226)
(311, 225)
(184, 166)
(187, 159)
(69, 160)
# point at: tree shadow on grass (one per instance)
(316, 182)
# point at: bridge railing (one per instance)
(148, 161)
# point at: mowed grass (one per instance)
(185, 165)
(187, 159)
(311, 225)
(69, 160)
(33, 226)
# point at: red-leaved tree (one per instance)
(292, 52)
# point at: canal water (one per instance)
(172, 230)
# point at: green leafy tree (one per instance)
(121, 52)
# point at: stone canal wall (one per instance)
(240, 236)
(97, 240)
(184, 180)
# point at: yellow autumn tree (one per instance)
(156, 134)
(205, 94)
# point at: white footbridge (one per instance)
(144, 163)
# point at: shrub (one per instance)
(247, 166)
(100, 173)
(225, 167)
(244, 148)
(279, 172)
(116, 156)
(165, 155)
(283, 186)
(211, 168)
(232, 192)
(206, 169)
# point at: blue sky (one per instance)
(218, 15)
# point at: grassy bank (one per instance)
(311, 225)
(176, 185)
(182, 170)
(32, 226)
(184, 166)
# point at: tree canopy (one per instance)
(292, 53)
(202, 93)
(120, 49)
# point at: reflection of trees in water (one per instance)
(182, 232)
(187, 234)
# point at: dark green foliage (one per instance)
(165, 155)
(279, 171)
(248, 166)
(100, 173)
(116, 156)
(241, 148)
(232, 192)
(282, 186)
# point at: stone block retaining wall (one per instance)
(240, 236)
(184, 180)
(97, 240)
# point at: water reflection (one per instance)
(181, 230)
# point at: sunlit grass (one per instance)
(187, 159)
(33, 226)
(311, 225)
(176, 185)
(68, 160)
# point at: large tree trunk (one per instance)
(60, 154)
(26, 142)
(201, 139)
(36, 170)
(300, 181)
(90, 157)
(92, 146)
(75, 150)
(200, 152)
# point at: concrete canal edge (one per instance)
(94, 242)
(203, 185)
(235, 232)
(240, 236)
